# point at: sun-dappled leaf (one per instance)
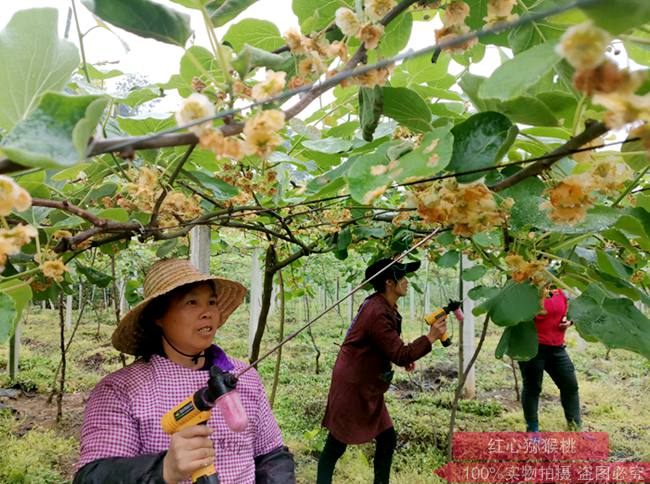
(33, 60)
(144, 18)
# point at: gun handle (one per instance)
(445, 340)
(205, 475)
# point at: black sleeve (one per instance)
(145, 469)
(276, 467)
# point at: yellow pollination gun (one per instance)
(441, 313)
(195, 410)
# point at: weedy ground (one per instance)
(614, 389)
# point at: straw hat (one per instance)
(163, 277)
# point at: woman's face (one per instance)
(192, 319)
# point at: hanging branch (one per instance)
(592, 131)
(461, 384)
(278, 359)
(59, 397)
(156, 209)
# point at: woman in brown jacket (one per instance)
(356, 412)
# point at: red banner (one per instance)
(546, 472)
(546, 446)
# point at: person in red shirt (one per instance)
(552, 357)
(356, 412)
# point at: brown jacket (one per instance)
(356, 411)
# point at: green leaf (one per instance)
(328, 145)
(56, 134)
(219, 189)
(132, 292)
(615, 322)
(200, 63)
(407, 108)
(315, 15)
(480, 142)
(473, 273)
(223, 11)
(141, 96)
(371, 107)
(102, 75)
(32, 61)
(251, 57)
(430, 157)
(519, 342)
(8, 316)
(114, 214)
(343, 239)
(514, 77)
(513, 304)
(20, 294)
(94, 276)
(256, 33)
(331, 182)
(449, 259)
(196, 4)
(166, 247)
(612, 265)
(527, 196)
(396, 35)
(140, 126)
(420, 70)
(144, 18)
(619, 16)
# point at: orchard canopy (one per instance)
(332, 137)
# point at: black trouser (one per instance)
(556, 362)
(333, 450)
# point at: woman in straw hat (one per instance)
(171, 332)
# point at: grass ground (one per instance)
(614, 393)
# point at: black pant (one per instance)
(333, 450)
(556, 362)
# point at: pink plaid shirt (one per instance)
(124, 410)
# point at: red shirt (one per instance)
(548, 325)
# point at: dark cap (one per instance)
(395, 272)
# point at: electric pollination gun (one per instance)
(440, 313)
(195, 410)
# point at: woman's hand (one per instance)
(189, 450)
(437, 329)
(564, 324)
